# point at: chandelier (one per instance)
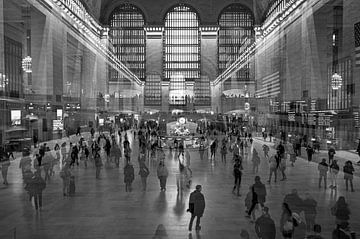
(26, 64)
(336, 81)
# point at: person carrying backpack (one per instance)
(36, 187)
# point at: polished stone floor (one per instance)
(102, 208)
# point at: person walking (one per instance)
(47, 163)
(323, 168)
(37, 185)
(282, 167)
(237, 172)
(341, 211)
(196, 207)
(273, 167)
(63, 152)
(128, 176)
(65, 175)
(331, 154)
(25, 161)
(144, 173)
(223, 152)
(213, 147)
(334, 171)
(266, 150)
(255, 161)
(162, 174)
(115, 153)
(4, 164)
(259, 195)
(348, 170)
(265, 225)
(98, 164)
(310, 152)
(291, 151)
(201, 150)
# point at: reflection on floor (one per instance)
(102, 208)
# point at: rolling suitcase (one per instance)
(72, 186)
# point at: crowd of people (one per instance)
(298, 217)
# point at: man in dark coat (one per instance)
(196, 207)
(258, 195)
(265, 226)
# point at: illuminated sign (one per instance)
(15, 117)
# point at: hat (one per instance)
(198, 187)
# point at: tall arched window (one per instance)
(128, 37)
(182, 44)
(236, 34)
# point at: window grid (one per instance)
(202, 92)
(152, 90)
(178, 85)
(182, 44)
(13, 71)
(128, 37)
(236, 34)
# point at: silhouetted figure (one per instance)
(196, 207)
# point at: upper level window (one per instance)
(236, 34)
(128, 37)
(182, 43)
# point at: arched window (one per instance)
(128, 37)
(236, 34)
(182, 44)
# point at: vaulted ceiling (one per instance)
(155, 10)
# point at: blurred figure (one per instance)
(349, 175)
(128, 176)
(256, 161)
(223, 152)
(162, 174)
(341, 211)
(25, 161)
(4, 164)
(65, 175)
(331, 154)
(310, 152)
(237, 176)
(144, 173)
(36, 187)
(309, 206)
(266, 150)
(323, 168)
(334, 171)
(273, 167)
(98, 164)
